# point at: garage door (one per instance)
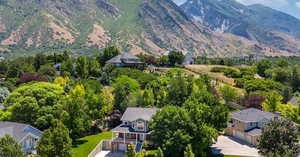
(239, 135)
(122, 147)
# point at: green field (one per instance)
(83, 146)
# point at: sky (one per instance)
(291, 7)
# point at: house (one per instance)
(189, 59)
(26, 135)
(134, 128)
(126, 60)
(246, 124)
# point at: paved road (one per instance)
(232, 146)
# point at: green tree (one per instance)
(30, 102)
(82, 67)
(178, 91)
(68, 67)
(123, 87)
(174, 128)
(130, 152)
(279, 136)
(10, 148)
(108, 53)
(273, 100)
(94, 67)
(189, 151)
(25, 110)
(76, 118)
(295, 78)
(262, 66)
(47, 69)
(229, 94)
(55, 141)
(39, 60)
(175, 57)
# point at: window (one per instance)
(140, 125)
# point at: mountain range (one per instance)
(214, 28)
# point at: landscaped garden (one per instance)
(83, 146)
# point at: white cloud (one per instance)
(298, 4)
(270, 3)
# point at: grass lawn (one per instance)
(83, 146)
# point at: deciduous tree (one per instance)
(55, 141)
(9, 147)
(279, 136)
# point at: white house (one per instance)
(26, 135)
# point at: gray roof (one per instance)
(17, 130)
(252, 115)
(135, 113)
(126, 129)
(2, 107)
(255, 132)
(124, 58)
(294, 101)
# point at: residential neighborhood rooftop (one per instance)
(124, 58)
(135, 113)
(253, 115)
(17, 130)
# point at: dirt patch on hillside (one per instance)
(14, 38)
(98, 37)
(61, 33)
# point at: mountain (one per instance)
(256, 22)
(137, 26)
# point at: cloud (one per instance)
(298, 4)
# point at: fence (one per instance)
(103, 145)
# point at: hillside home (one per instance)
(126, 60)
(134, 128)
(26, 135)
(246, 124)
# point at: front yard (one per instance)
(83, 146)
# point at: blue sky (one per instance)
(291, 7)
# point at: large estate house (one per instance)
(246, 124)
(134, 128)
(26, 135)
(126, 60)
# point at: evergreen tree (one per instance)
(55, 141)
(108, 53)
(82, 67)
(94, 67)
(10, 148)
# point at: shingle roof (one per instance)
(252, 115)
(135, 113)
(124, 58)
(17, 130)
(255, 132)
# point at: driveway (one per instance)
(232, 146)
(110, 154)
